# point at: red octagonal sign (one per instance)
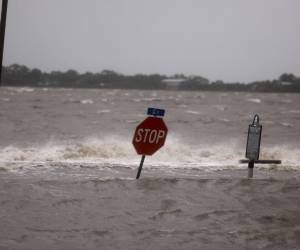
(150, 135)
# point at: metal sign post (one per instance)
(150, 135)
(2, 34)
(250, 169)
(140, 167)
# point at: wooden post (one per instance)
(250, 169)
(252, 162)
(2, 34)
(140, 167)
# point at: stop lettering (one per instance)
(150, 135)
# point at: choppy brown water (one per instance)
(151, 213)
(67, 171)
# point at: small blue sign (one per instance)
(156, 112)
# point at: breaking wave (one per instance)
(175, 154)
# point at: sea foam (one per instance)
(175, 154)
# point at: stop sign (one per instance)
(150, 135)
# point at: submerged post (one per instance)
(251, 164)
(2, 34)
(140, 167)
(250, 169)
(253, 147)
(150, 135)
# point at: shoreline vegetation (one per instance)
(17, 75)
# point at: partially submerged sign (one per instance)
(150, 135)
(253, 147)
(254, 139)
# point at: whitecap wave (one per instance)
(103, 111)
(294, 111)
(175, 154)
(87, 101)
(254, 100)
(193, 112)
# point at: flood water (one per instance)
(67, 171)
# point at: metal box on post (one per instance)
(253, 140)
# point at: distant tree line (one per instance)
(20, 75)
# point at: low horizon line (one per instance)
(81, 72)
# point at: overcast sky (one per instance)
(231, 40)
